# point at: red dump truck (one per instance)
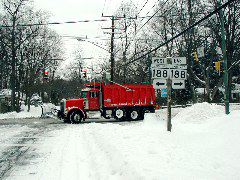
(122, 102)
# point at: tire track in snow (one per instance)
(13, 155)
(17, 153)
(108, 158)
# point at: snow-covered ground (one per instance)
(203, 144)
(35, 112)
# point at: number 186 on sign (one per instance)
(160, 73)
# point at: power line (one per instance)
(56, 23)
(162, 15)
(151, 9)
(104, 6)
(142, 7)
(140, 12)
(184, 31)
(152, 17)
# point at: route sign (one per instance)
(178, 84)
(178, 74)
(159, 83)
(179, 60)
(169, 68)
(159, 60)
(158, 73)
(200, 52)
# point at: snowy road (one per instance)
(202, 145)
(18, 137)
(74, 148)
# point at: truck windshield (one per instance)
(84, 94)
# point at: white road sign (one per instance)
(178, 74)
(163, 66)
(159, 60)
(179, 60)
(178, 84)
(200, 52)
(169, 66)
(158, 73)
(159, 83)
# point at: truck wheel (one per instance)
(76, 117)
(104, 114)
(134, 114)
(66, 120)
(119, 114)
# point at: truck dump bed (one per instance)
(115, 95)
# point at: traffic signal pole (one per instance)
(226, 85)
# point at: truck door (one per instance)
(94, 100)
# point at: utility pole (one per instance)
(113, 18)
(112, 49)
(224, 48)
(125, 52)
(112, 57)
(149, 62)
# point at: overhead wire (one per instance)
(57, 23)
(136, 18)
(184, 31)
(104, 6)
(151, 17)
(142, 7)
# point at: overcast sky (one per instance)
(71, 10)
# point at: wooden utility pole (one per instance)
(169, 101)
(112, 59)
(113, 18)
(112, 50)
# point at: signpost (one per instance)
(169, 73)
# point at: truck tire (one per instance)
(66, 120)
(119, 114)
(104, 114)
(134, 114)
(76, 117)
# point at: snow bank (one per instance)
(35, 112)
(199, 113)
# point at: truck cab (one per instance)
(91, 98)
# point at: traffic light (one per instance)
(195, 55)
(84, 74)
(45, 74)
(218, 66)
